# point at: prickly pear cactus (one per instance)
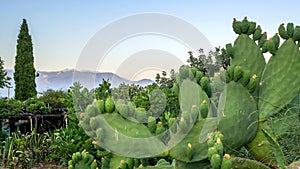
(246, 53)
(238, 116)
(251, 91)
(82, 160)
(280, 80)
(277, 80)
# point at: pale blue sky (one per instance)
(61, 28)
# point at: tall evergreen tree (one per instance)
(4, 79)
(24, 74)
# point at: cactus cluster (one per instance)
(237, 74)
(82, 160)
(251, 91)
(273, 77)
(193, 74)
(216, 151)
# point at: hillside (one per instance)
(64, 79)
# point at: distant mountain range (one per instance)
(62, 80)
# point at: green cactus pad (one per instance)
(260, 148)
(280, 80)
(248, 55)
(128, 138)
(195, 137)
(238, 115)
(242, 163)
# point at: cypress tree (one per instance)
(24, 74)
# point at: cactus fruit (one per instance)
(101, 106)
(194, 71)
(219, 146)
(160, 128)
(198, 76)
(262, 39)
(245, 77)
(245, 25)
(276, 40)
(251, 28)
(189, 151)
(290, 29)
(204, 83)
(252, 83)
(123, 165)
(282, 32)
(105, 163)
(94, 165)
(211, 151)
(230, 71)
(183, 125)
(264, 48)
(257, 33)
(215, 161)
(237, 73)
(271, 46)
(296, 35)
(204, 109)
(92, 110)
(237, 26)
(226, 162)
(210, 141)
(82, 160)
(109, 105)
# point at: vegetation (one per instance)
(24, 74)
(4, 79)
(232, 109)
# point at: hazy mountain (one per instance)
(57, 80)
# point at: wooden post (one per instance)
(30, 119)
(66, 119)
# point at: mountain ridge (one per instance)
(63, 79)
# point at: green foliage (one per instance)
(249, 102)
(103, 91)
(4, 79)
(11, 107)
(24, 74)
(206, 64)
(55, 99)
(35, 106)
(65, 142)
(24, 150)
